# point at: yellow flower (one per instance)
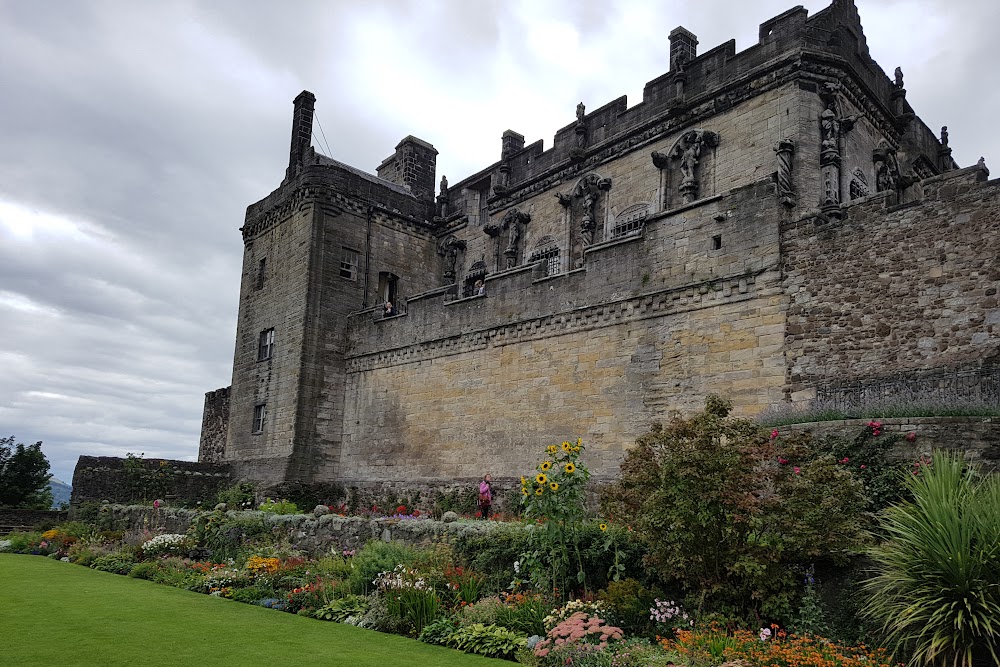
(524, 490)
(540, 490)
(554, 486)
(604, 526)
(524, 480)
(540, 478)
(579, 442)
(570, 468)
(546, 465)
(551, 449)
(566, 447)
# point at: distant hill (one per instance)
(60, 492)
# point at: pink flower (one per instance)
(774, 434)
(863, 466)
(911, 436)
(156, 504)
(782, 460)
(797, 470)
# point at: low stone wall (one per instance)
(100, 478)
(978, 437)
(14, 518)
(315, 536)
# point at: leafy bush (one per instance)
(726, 514)
(119, 562)
(147, 570)
(237, 496)
(310, 494)
(376, 557)
(278, 507)
(350, 606)
(936, 593)
(628, 605)
(224, 537)
(251, 594)
(524, 612)
(490, 640)
(493, 553)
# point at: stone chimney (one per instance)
(683, 46)
(413, 165)
(302, 125)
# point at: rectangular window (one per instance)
(259, 415)
(717, 242)
(484, 208)
(349, 264)
(261, 272)
(265, 345)
(552, 265)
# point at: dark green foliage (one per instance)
(224, 536)
(146, 570)
(237, 496)
(628, 603)
(439, 631)
(726, 512)
(376, 557)
(342, 609)
(251, 594)
(460, 501)
(867, 456)
(120, 562)
(492, 641)
(493, 553)
(24, 476)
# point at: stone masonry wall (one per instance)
(99, 478)
(214, 426)
(894, 289)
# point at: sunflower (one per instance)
(551, 449)
(566, 446)
(570, 468)
(524, 490)
(603, 527)
(554, 486)
(540, 490)
(546, 465)
(524, 480)
(541, 478)
(579, 442)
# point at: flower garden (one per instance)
(721, 542)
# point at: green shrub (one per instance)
(936, 593)
(309, 494)
(493, 553)
(439, 631)
(251, 594)
(278, 507)
(237, 496)
(492, 641)
(343, 609)
(376, 557)
(727, 514)
(628, 605)
(119, 562)
(147, 570)
(226, 537)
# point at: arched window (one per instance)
(476, 272)
(630, 221)
(547, 249)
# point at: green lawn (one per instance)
(54, 613)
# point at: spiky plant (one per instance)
(936, 591)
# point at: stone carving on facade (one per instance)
(589, 190)
(580, 130)
(449, 247)
(784, 150)
(945, 163)
(887, 176)
(833, 125)
(687, 153)
(512, 221)
(981, 165)
(442, 200)
(898, 76)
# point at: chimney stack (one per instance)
(302, 123)
(683, 46)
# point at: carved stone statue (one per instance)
(688, 151)
(833, 127)
(443, 197)
(944, 136)
(512, 221)
(580, 111)
(982, 165)
(660, 160)
(784, 150)
(449, 248)
(898, 74)
(589, 189)
(886, 168)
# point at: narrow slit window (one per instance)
(261, 272)
(717, 242)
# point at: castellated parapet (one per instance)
(771, 225)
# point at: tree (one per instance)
(24, 476)
(730, 516)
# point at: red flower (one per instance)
(797, 470)
(782, 460)
(911, 436)
(774, 434)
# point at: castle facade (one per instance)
(774, 226)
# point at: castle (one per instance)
(771, 225)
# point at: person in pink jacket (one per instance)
(485, 496)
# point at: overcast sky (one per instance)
(133, 134)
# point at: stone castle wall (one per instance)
(894, 289)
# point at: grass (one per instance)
(56, 613)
